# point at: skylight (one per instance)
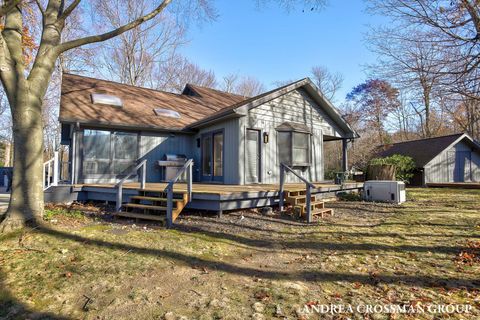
(100, 98)
(166, 113)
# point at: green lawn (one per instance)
(424, 252)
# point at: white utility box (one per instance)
(384, 191)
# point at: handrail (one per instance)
(187, 167)
(297, 175)
(284, 169)
(119, 185)
(51, 169)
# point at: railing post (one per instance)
(118, 205)
(189, 181)
(169, 205)
(55, 169)
(49, 174)
(43, 176)
(309, 203)
(282, 182)
(144, 174)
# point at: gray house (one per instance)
(231, 139)
(446, 159)
(235, 145)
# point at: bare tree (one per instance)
(453, 26)
(132, 56)
(376, 99)
(229, 82)
(329, 83)
(178, 71)
(246, 86)
(26, 84)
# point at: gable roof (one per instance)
(242, 107)
(138, 104)
(198, 106)
(423, 151)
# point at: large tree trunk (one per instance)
(26, 202)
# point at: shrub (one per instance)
(404, 165)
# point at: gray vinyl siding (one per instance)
(441, 168)
(231, 160)
(295, 106)
(153, 146)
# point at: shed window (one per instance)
(294, 148)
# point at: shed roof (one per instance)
(138, 104)
(423, 151)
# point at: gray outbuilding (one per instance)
(440, 160)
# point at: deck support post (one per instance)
(144, 176)
(309, 204)
(118, 204)
(282, 185)
(219, 213)
(189, 183)
(344, 155)
(169, 206)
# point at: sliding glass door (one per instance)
(212, 156)
(108, 154)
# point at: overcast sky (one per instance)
(274, 45)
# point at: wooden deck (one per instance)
(221, 189)
(214, 197)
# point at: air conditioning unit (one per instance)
(384, 191)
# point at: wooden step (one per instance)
(301, 209)
(322, 212)
(144, 206)
(296, 193)
(155, 199)
(296, 200)
(177, 196)
(141, 216)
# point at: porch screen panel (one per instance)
(96, 152)
(124, 152)
(218, 154)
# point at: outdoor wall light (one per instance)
(265, 137)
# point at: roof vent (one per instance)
(166, 113)
(101, 98)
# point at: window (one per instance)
(212, 156)
(107, 153)
(100, 98)
(294, 148)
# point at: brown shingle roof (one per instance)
(138, 104)
(422, 151)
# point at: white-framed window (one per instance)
(294, 148)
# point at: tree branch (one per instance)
(108, 35)
(8, 6)
(69, 10)
(39, 5)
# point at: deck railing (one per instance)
(51, 172)
(284, 169)
(119, 185)
(187, 167)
